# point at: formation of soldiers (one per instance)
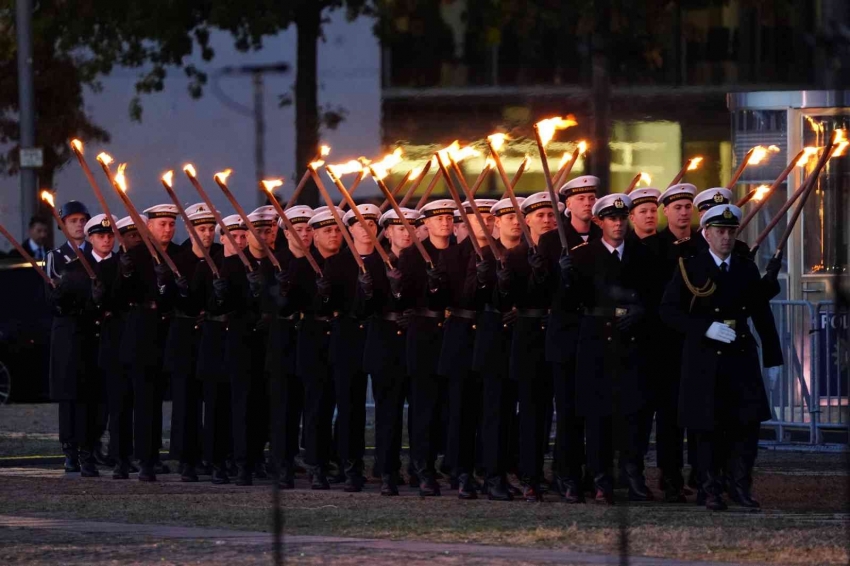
(623, 326)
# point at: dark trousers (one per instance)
(120, 402)
(427, 428)
(246, 418)
(78, 423)
(731, 446)
(258, 404)
(569, 437)
(464, 412)
(535, 394)
(669, 441)
(217, 417)
(389, 389)
(499, 423)
(186, 408)
(147, 412)
(318, 417)
(286, 400)
(350, 390)
(604, 433)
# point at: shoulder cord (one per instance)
(698, 292)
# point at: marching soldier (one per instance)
(73, 346)
(459, 229)
(384, 352)
(581, 196)
(643, 213)
(710, 301)
(615, 283)
(424, 339)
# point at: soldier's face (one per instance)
(328, 239)
(721, 239)
(541, 221)
(614, 228)
(76, 223)
(679, 213)
(461, 231)
(162, 229)
(361, 233)
(481, 232)
(255, 244)
(440, 226)
(422, 232)
(303, 231)
(102, 243)
(399, 237)
(581, 206)
(645, 218)
(38, 233)
(241, 239)
(271, 236)
(206, 232)
(132, 239)
(508, 226)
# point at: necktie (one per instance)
(724, 267)
(616, 255)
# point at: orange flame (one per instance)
(758, 153)
(316, 164)
(459, 155)
(190, 170)
(840, 139)
(497, 140)
(694, 163)
(645, 178)
(565, 159)
(414, 173)
(47, 197)
(808, 153)
(340, 169)
(324, 150)
(526, 162)
(120, 179)
(817, 127)
(548, 127)
(77, 145)
(582, 147)
(761, 192)
(222, 176)
(489, 163)
(168, 177)
(104, 158)
(271, 184)
(382, 168)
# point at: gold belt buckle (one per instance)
(619, 312)
(730, 323)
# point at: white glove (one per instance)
(773, 376)
(721, 332)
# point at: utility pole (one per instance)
(30, 156)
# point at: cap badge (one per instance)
(619, 203)
(718, 198)
(105, 223)
(727, 214)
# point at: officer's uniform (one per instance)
(619, 293)
(722, 394)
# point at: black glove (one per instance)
(484, 272)
(220, 286)
(629, 319)
(565, 262)
(436, 278)
(538, 265)
(774, 266)
(323, 288)
(504, 279)
(127, 267)
(97, 291)
(394, 275)
(182, 286)
(364, 281)
(255, 282)
(283, 283)
(404, 320)
(163, 275)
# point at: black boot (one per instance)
(121, 471)
(713, 495)
(72, 457)
(354, 479)
(286, 475)
(572, 493)
(673, 487)
(497, 489)
(188, 473)
(466, 487)
(244, 476)
(531, 489)
(389, 488)
(203, 469)
(260, 471)
(413, 477)
(638, 490)
(102, 458)
(147, 473)
(604, 487)
(161, 468)
(428, 486)
(740, 488)
(693, 479)
(320, 480)
(88, 464)
(220, 475)
(337, 475)
(232, 468)
(133, 468)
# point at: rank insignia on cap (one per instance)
(726, 213)
(718, 198)
(619, 203)
(105, 223)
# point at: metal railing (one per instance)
(812, 391)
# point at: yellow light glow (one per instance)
(340, 169)
(497, 140)
(459, 155)
(104, 158)
(565, 159)
(840, 138)
(761, 192)
(808, 153)
(694, 163)
(414, 173)
(489, 163)
(271, 184)
(168, 177)
(582, 147)
(77, 145)
(645, 178)
(758, 153)
(222, 176)
(316, 164)
(325, 150)
(120, 178)
(548, 127)
(47, 197)
(190, 170)
(382, 168)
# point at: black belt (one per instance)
(147, 305)
(392, 316)
(184, 315)
(607, 312)
(532, 313)
(224, 318)
(315, 317)
(489, 308)
(426, 313)
(461, 313)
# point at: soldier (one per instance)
(384, 352)
(459, 229)
(710, 301)
(286, 393)
(349, 288)
(643, 213)
(522, 272)
(615, 282)
(491, 360)
(424, 339)
(456, 295)
(271, 235)
(212, 293)
(181, 348)
(421, 229)
(72, 345)
(581, 196)
(708, 199)
(312, 356)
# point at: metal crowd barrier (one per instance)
(810, 396)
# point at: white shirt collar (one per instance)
(33, 246)
(99, 259)
(611, 248)
(718, 261)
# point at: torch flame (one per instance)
(526, 162)
(808, 152)
(758, 153)
(120, 179)
(190, 170)
(548, 127)
(168, 177)
(489, 163)
(840, 138)
(325, 150)
(104, 158)
(341, 169)
(761, 192)
(47, 197)
(271, 184)
(565, 159)
(316, 164)
(694, 163)
(497, 140)
(817, 127)
(582, 147)
(77, 145)
(222, 176)
(382, 168)
(644, 177)
(459, 155)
